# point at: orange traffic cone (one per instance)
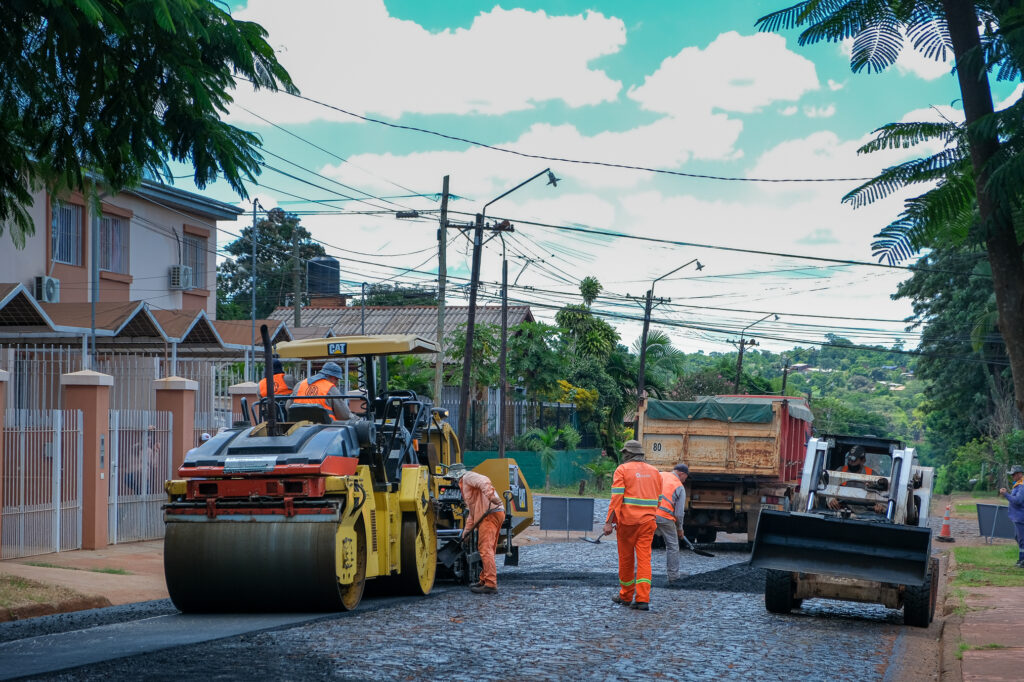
(944, 534)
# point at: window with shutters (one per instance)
(194, 256)
(114, 244)
(66, 234)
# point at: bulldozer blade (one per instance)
(809, 543)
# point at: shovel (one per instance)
(594, 541)
(698, 552)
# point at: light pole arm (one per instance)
(673, 272)
(483, 211)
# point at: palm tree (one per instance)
(937, 28)
(590, 288)
(543, 442)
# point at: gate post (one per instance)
(89, 392)
(177, 395)
(248, 390)
(4, 376)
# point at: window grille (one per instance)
(66, 234)
(114, 244)
(194, 256)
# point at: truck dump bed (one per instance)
(736, 436)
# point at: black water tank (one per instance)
(323, 274)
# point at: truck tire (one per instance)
(778, 591)
(707, 535)
(919, 600)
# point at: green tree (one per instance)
(590, 289)
(981, 168)
(534, 360)
(274, 239)
(114, 89)
(398, 295)
(411, 373)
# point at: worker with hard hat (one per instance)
(1015, 496)
(636, 487)
(315, 389)
(669, 516)
(485, 513)
(283, 383)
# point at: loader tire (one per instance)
(919, 600)
(778, 591)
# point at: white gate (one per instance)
(140, 463)
(42, 482)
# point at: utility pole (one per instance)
(785, 375)
(296, 291)
(252, 276)
(467, 357)
(739, 360)
(503, 371)
(640, 376)
(442, 275)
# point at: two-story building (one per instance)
(156, 244)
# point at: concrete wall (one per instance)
(153, 248)
(567, 469)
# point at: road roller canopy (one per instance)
(354, 346)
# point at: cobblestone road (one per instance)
(553, 619)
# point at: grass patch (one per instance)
(988, 565)
(112, 571)
(573, 491)
(963, 646)
(15, 592)
(965, 508)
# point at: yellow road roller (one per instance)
(295, 510)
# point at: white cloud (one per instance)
(820, 112)
(789, 111)
(734, 73)
(354, 54)
(833, 85)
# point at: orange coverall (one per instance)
(635, 489)
(480, 496)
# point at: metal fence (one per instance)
(42, 482)
(36, 370)
(140, 462)
(522, 415)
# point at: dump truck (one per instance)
(860, 537)
(292, 510)
(744, 454)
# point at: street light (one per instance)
(640, 383)
(467, 357)
(742, 346)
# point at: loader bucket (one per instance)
(808, 543)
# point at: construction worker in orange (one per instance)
(636, 487)
(283, 383)
(485, 513)
(323, 383)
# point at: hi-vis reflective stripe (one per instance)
(667, 511)
(640, 501)
(628, 584)
(618, 491)
(643, 580)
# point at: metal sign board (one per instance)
(994, 522)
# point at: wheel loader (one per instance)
(853, 536)
(292, 510)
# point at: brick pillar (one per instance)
(177, 395)
(248, 390)
(89, 392)
(4, 376)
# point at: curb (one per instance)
(50, 608)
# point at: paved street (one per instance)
(552, 619)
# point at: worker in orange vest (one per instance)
(855, 464)
(669, 517)
(636, 486)
(485, 513)
(323, 383)
(283, 383)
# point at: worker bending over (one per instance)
(485, 513)
(636, 487)
(283, 383)
(669, 516)
(324, 383)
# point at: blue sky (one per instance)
(689, 87)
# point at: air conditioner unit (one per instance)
(47, 289)
(181, 277)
